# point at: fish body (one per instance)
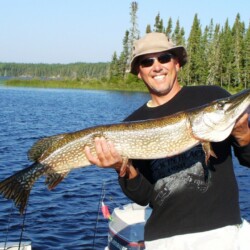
(56, 156)
(135, 140)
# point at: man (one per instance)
(194, 204)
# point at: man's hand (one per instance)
(241, 130)
(106, 154)
(108, 157)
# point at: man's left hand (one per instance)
(241, 130)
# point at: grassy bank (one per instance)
(133, 84)
(74, 84)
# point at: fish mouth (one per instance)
(239, 102)
(235, 106)
(217, 121)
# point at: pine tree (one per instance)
(203, 64)
(134, 31)
(125, 56)
(226, 42)
(148, 29)
(122, 64)
(113, 70)
(238, 35)
(178, 36)
(176, 32)
(168, 30)
(246, 59)
(158, 24)
(195, 53)
(213, 55)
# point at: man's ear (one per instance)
(177, 65)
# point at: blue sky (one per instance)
(68, 31)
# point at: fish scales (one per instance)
(154, 141)
(145, 141)
(57, 155)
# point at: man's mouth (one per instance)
(161, 77)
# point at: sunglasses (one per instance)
(148, 62)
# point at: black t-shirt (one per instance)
(186, 194)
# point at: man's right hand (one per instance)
(108, 157)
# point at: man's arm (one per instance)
(241, 135)
(241, 131)
(133, 184)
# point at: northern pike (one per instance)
(57, 155)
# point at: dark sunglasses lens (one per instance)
(164, 58)
(148, 62)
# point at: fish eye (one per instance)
(220, 105)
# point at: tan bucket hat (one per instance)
(156, 42)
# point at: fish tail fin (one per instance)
(18, 186)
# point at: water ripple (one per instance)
(68, 216)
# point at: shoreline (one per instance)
(74, 84)
(93, 84)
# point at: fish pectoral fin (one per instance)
(207, 148)
(125, 165)
(53, 179)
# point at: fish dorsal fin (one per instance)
(42, 145)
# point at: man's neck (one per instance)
(157, 100)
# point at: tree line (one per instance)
(217, 55)
(73, 71)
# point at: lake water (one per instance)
(67, 217)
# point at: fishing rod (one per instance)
(102, 207)
(8, 227)
(102, 195)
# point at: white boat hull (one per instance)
(26, 245)
(126, 229)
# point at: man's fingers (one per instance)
(103, 151)
(113, 151)
(92, 159)
(242, 120)
(105, 154)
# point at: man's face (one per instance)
(159, 72)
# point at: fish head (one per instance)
(214, 122)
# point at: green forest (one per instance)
(218, 54)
